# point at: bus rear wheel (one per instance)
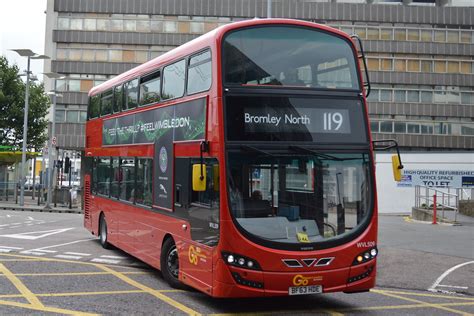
(170, 264)
(103, 233)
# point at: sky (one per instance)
(22, 25)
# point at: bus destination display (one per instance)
(295, 119)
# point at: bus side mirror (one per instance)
(397, 168)
(199, 177)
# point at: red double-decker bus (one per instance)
(239, 163)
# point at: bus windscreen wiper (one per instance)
(312, 152)
(251, 148)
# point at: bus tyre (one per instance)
(103, 233)
(170, 264)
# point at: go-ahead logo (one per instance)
(302, 280)
(194, 253)
(163, 159)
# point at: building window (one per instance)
(386, 95)
(413, 96)
(426, 96)
(400, 96)
(400, 127)
(72, 116)
(60, 116)
(413, 128)
(386, 127)
(170, 27)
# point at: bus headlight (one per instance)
(240, 261)
(365, 256)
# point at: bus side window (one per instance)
(94, 106)
(173, 80)
(107, 102)
(118, 98)
(150, 88)
(199, 72)
(131, 94)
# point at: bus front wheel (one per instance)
(170, 264)
(103, 232)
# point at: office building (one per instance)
(420, 55)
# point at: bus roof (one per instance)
(201, 42)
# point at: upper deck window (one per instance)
(150, 88)
(173, 80)
(289, 56)
(107, 102)
(94, 106)
(199, 72)
(131, 98)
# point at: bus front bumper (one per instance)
(236, 282)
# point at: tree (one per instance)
(12, 105)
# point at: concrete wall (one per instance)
(395, 199)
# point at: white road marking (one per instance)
(5, 249)
(453, 286)
(114, 257)
(99, 260)
(31, 218)
(68, 257)
(37, 235)
(8, 215)
(68, 243)
(33, 253)
(77, 254)
(45, 251)
(4, 225)
(445, 274)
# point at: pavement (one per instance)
(32, 206)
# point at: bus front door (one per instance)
(201, 210)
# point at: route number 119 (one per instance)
(332, 121)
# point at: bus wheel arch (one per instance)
(103, 232)
(169, 262)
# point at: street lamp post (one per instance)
(55, 76)
(30, 55)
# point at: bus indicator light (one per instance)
(365, 256)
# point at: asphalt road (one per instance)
(49, 264)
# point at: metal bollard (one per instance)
(434, 210)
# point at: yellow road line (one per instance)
(426, 304)
(62, 260)
(34, 301)
(429, 295)
(406, 306)
(45, 309)
(76, 273)
(21, 260)
(408, 219)
(86, 293)
(149, 290)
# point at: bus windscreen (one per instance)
(289, 56)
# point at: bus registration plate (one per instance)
(302, 290)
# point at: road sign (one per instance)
(54, 141)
